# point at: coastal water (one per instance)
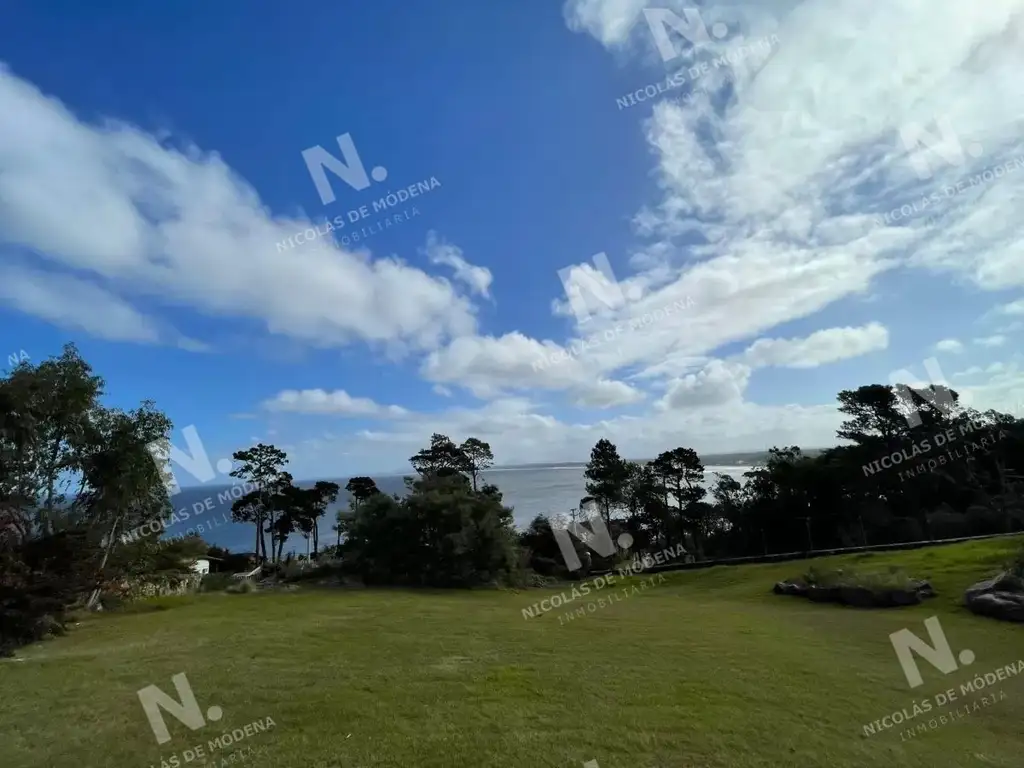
(528, 490)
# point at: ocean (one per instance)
(530, 491)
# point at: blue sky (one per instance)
(151, 160)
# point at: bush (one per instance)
(893, 578)
(39, 579)
(442, 534)
(317, 569)
(216, 582)
(875, 589)
(241, 587)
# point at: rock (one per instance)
(859, 597)
(901, 597)
(1007, 606)
(923, 589)
(790, 588)
(1001, 597)
(823, 594)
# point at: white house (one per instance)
(201, 566)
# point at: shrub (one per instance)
(241, 587)
(442, 534)
(318, 569)
(216, 582)
(893, 578)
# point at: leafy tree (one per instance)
(442, 457)
(305, 506)
(360, 489)
(478, 457)
(443, 533)
(72, 474)
(606, 475)
(682, 473)
(262, 466)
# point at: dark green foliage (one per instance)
(216, 582)
(442, 534)
(606, 475)
(74, 476)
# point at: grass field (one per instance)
(706, 669)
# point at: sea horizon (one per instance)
(541, 489)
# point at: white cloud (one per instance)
(991, 341)
(949, 345)
(1015, 308)
(179, 227)
(718, 383)
(821, 347)
(76, 304)
(338, 402)
(489, 366)
(478, 279)
(974, 370)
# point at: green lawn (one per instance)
(705, 669)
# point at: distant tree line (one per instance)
(75, 474)
(916, 466)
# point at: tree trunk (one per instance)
(103, 563)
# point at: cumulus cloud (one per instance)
(478, 279)
(991, 341)
(949, 345)
(718, 383)
(337, 403)
(177, 226)
(821, 347)
(75, 304)
(1015, 308)
(489, 366)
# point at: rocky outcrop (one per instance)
(1001, 597)
(858, 596)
